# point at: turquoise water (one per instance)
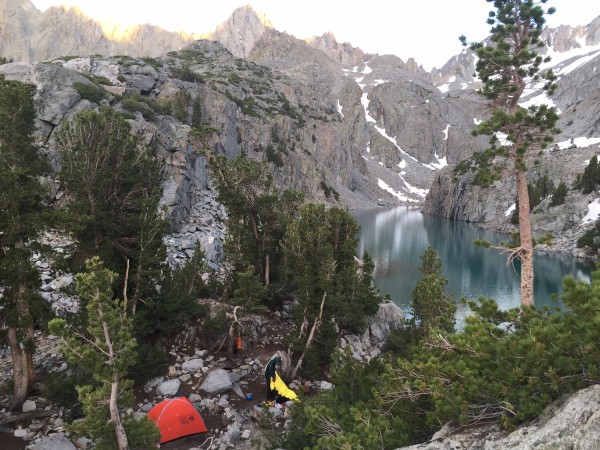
(397, 237)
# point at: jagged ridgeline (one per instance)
(331, 121)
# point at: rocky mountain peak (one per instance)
(345, 54)
(17, 5)
(566, 37)
(241, 31)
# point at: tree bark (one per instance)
(23, 371)
(115, 417)
(526, 255)
(113, 407)
(267, 269)
(21, 384)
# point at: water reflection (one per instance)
(396, 238)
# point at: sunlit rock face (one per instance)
(28, 35)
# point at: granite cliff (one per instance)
(334, 122)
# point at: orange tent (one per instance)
(175, 418)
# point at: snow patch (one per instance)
(446, 132)
(414, 190)
(364, 100)
(593, 212)
(579, 142)
(510, 210)
(383, 185)
(541, 99)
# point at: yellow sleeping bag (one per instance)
(281, 388)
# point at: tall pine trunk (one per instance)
(526, 254)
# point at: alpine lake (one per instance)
(396, 238)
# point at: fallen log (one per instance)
(29, 415)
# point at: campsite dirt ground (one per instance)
(254, 384)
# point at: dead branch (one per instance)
(329, 427)
(444, 344)
(29, 415)
(311, 335)
(231, 333)
(487, 412)
(514, 253)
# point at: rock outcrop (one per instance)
(367, 346)
(573, 422)
(241, 31)
(458, 197)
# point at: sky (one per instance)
(426, 30)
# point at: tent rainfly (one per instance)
(175, 418)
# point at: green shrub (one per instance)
(180, 106)
(61, 388)
(214, 327)
(506, 365)
(545, 239)
(185, 73)
(560, 194)
(89, 92)
(127, 115)
(350, 415)
(152, 360)
(590, 178)
(152, 62)
(147, 106)
(590, 238)
(133, 105)
(98, 79)
(274, 156)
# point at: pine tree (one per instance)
(507, 66)
(181, 105)
(332, 288)
(23, 213)
(197, 113)
(113, 189)
(105, 348)
(560, 194)
(590, 178)
(258, 214)
(433, 308)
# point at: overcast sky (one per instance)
(427, 30)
